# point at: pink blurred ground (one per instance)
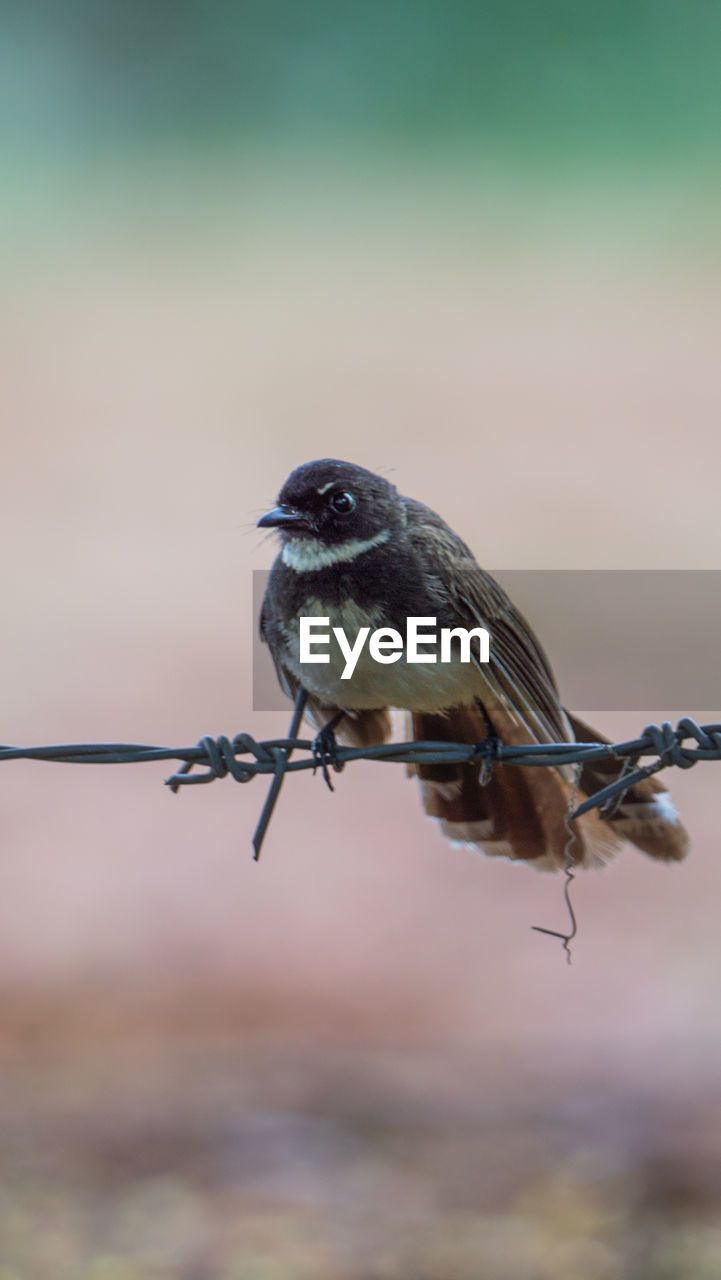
(360, 1038)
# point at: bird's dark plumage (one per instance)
(357, 552)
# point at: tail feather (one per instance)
(523, 812)
(647, 815)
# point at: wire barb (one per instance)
(282, 758)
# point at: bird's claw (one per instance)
(325, 752)
(487, 751)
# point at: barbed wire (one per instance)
(243, 757)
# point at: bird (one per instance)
(356, 553)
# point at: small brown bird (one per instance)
(357, 554)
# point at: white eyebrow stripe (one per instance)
(325, 488)
(306, 555)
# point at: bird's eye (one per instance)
(343, 503)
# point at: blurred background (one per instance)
(476, 246)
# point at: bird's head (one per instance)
(335, 504)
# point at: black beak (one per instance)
(283, 518)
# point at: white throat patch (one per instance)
(308, 554)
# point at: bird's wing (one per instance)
(518, 675)
(286, 679)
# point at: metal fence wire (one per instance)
(244, 758)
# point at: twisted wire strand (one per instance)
(220, 756)
(243, 757)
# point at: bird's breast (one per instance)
(415, 686)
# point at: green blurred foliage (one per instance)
(533, 80)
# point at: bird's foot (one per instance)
(325, 752)
(487, 749)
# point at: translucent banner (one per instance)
(617, 639)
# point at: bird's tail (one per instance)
(523, 812)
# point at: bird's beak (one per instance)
(283, 518)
